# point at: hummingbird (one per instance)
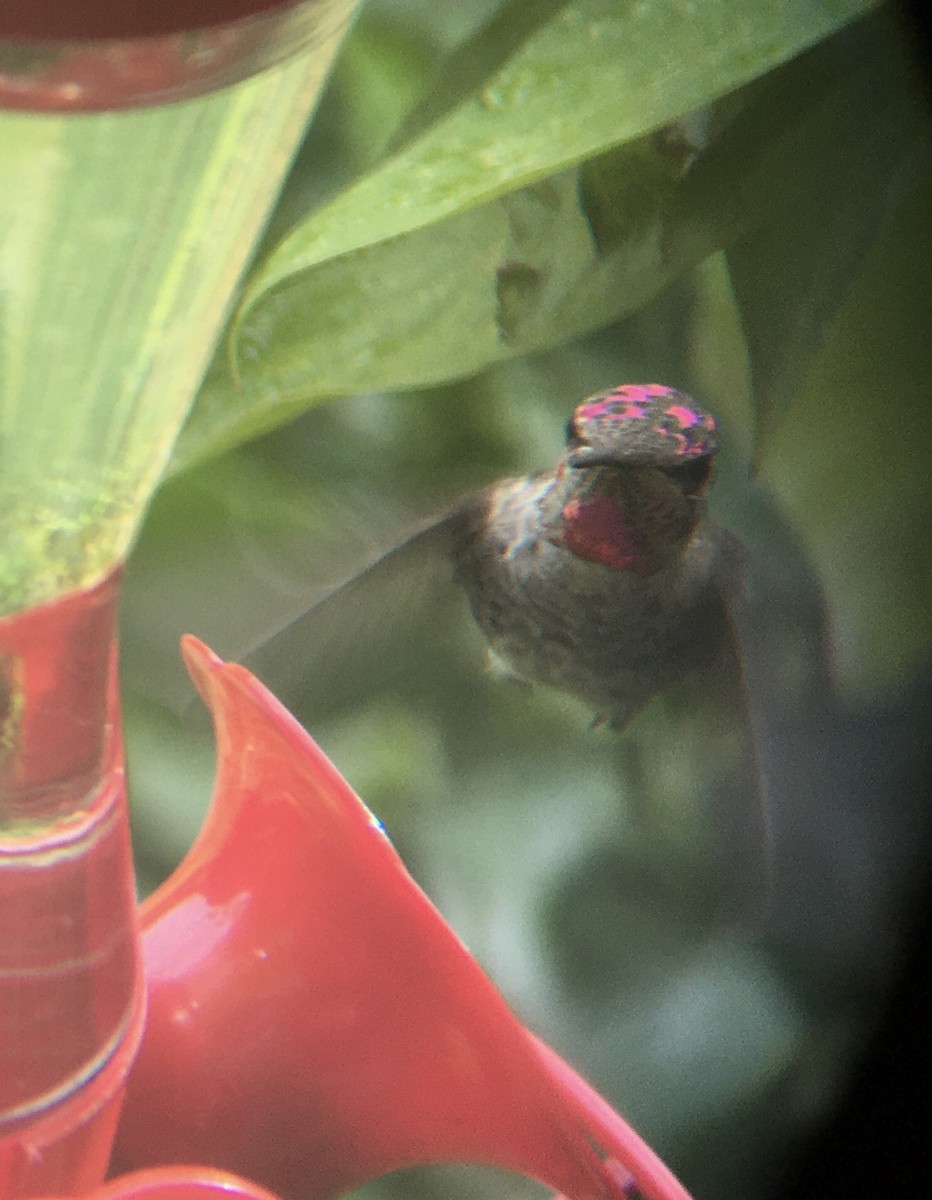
(606, 577)
(603, 576)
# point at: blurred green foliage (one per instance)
(740, 209)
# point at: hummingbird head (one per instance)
(644, 425)
(632, 478)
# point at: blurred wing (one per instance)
(336, 651)
(779, 648)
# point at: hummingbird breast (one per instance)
(610, 636)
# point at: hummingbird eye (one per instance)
(573, 438)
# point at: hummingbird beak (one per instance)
(690, 473)
(589, 456)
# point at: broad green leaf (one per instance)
(791, 275)
(420, 272)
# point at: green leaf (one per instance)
(421, 271)
(792, 274)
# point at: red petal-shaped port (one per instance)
(179, 1183)
(313, 1022)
